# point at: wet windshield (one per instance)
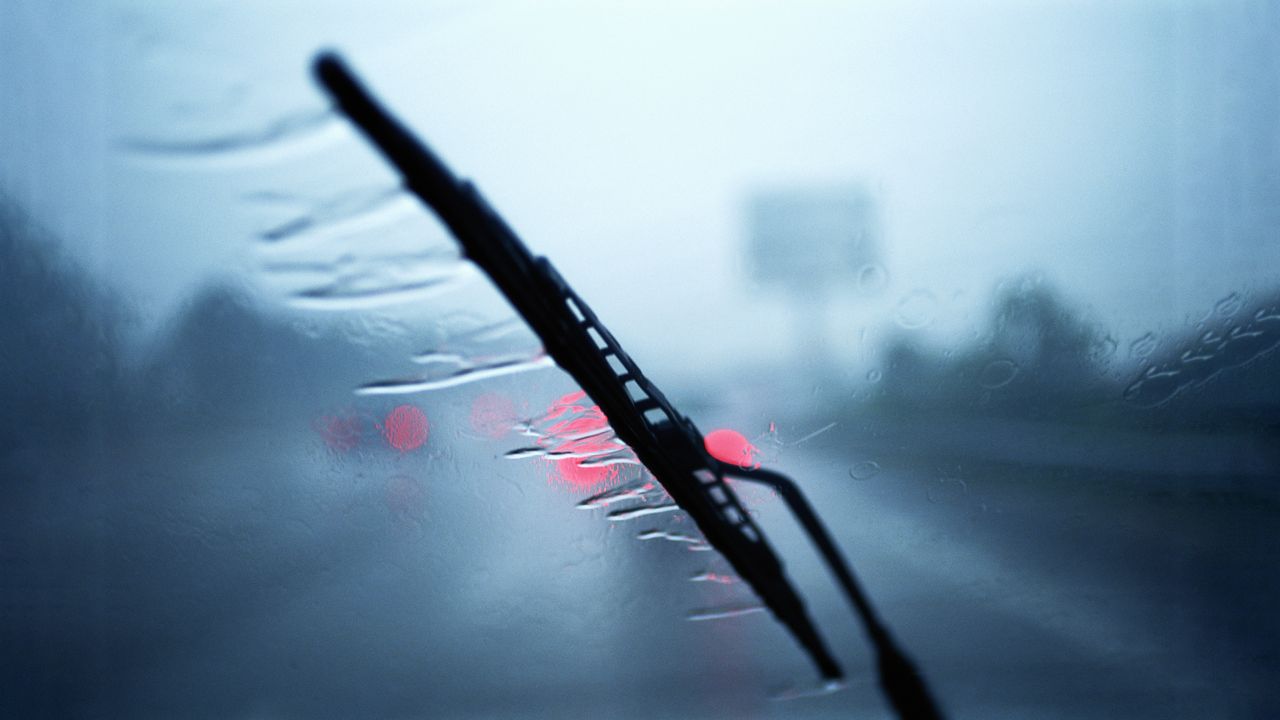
(995, 285)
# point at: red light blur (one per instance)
(340, 433)
(405, 428)
(732, 447)
(574, 420)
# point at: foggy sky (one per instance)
(1127, 151)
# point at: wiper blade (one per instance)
(666, 442)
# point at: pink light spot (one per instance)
(405, 428)
(566, 404)
(580, 429)
(493, 415)
(571, 474)
(730, 446)
(340, 433)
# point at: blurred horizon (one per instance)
(995, 283)
(1093, 126)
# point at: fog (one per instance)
(1127, 152)
(1036, 408)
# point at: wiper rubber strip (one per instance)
(666, 442)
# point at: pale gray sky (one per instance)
(1125, 150)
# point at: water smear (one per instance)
(815, 433)
(357, 206)
(526, 452)
(576, 436)
(482, 333)
(1229, 305)
(723, 612)
(284, 131)
(1143, 346)
(916, 309)
(623, 456)
(643, 511)
(350, 294)
(461, 376)
(637, 490)
(997, 374)
(718, 578)
(352, 282)
(1215, 350)
(864, 470)
(798, 692)
(665, 535)
(872, 279)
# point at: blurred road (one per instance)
(1053, 590)
(249, 571)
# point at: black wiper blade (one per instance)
(666, 442)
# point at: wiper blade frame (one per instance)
(666, 442)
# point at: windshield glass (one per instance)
(995, 284)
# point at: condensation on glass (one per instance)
(995, 284)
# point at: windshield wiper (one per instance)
(666, 442)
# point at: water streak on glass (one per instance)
(485, 332)
(371, 291)
(622, 457)
(467, 373)
(713, 577)
(819, 689)
(671, 536)
(643, 511)
(343, 276)
(636, 490)
(1226, 345)
(723, 613)
(280, 134)
(1143, 346)
(522, 453)
(1041, 416)
(576, 437)
(585, 456)
(815, 433)
(363, 207)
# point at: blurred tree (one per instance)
(60, 373)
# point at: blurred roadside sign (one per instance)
(807, 240)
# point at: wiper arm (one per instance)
(666, 442)
(899, 677)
